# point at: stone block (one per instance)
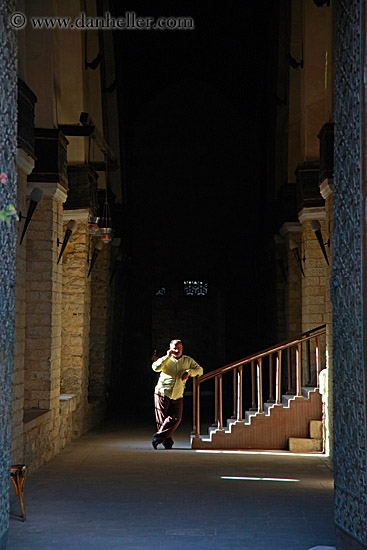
(315, 309)
(316, 429)
(311, 281)
(304, 445)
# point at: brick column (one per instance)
(25, 164)
(43, 301)
(76, 316)
(291, 233)
(100, 338)
(326, 189)
(314, 281)
(280, 288)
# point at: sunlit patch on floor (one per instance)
(257, 478)
(270, 453)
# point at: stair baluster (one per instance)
(289, 367)
(299, 369)
(260, 385)
(279, 377)
(215, 425)
(239, 393)
(253, 387)
(271, 380)
(196, 398)
(308, 357)
(220, 402)
(235, 389)
(318, 360)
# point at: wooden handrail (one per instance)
(261, 354)
(308, 332)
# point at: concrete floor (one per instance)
(111, 490)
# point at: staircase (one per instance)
(283, 422)
(271, 429)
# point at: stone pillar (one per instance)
(44, 275)
(100, 338)
(326, 189)
(8, 144)
(349, 276)
(280, 288)
(314, 281)
(25, 165)
(291, 233)
(86, 311)
(326, 179)
(43, 301)
(76, 305)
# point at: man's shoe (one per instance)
(167, 445)
(155, 443)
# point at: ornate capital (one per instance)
(50, 189)
(315, 213)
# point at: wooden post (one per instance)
(259, 385)
(239, 392)
(235, 404)
(271, 380)
(299, 370)
(318, 360)
(215, 424)
(220, 403)
(289, 371)
(308, 356)
(279, 377)
(253, 387)
(196, 411)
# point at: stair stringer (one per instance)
(267, 431)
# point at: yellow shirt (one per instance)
(170, 381)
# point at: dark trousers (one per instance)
(168, 415)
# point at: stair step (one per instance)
(249, 415)
(316, 429)
(306, 390)
(268, 407)
(286, 399)
(304, 445)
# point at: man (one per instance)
(175, 369)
